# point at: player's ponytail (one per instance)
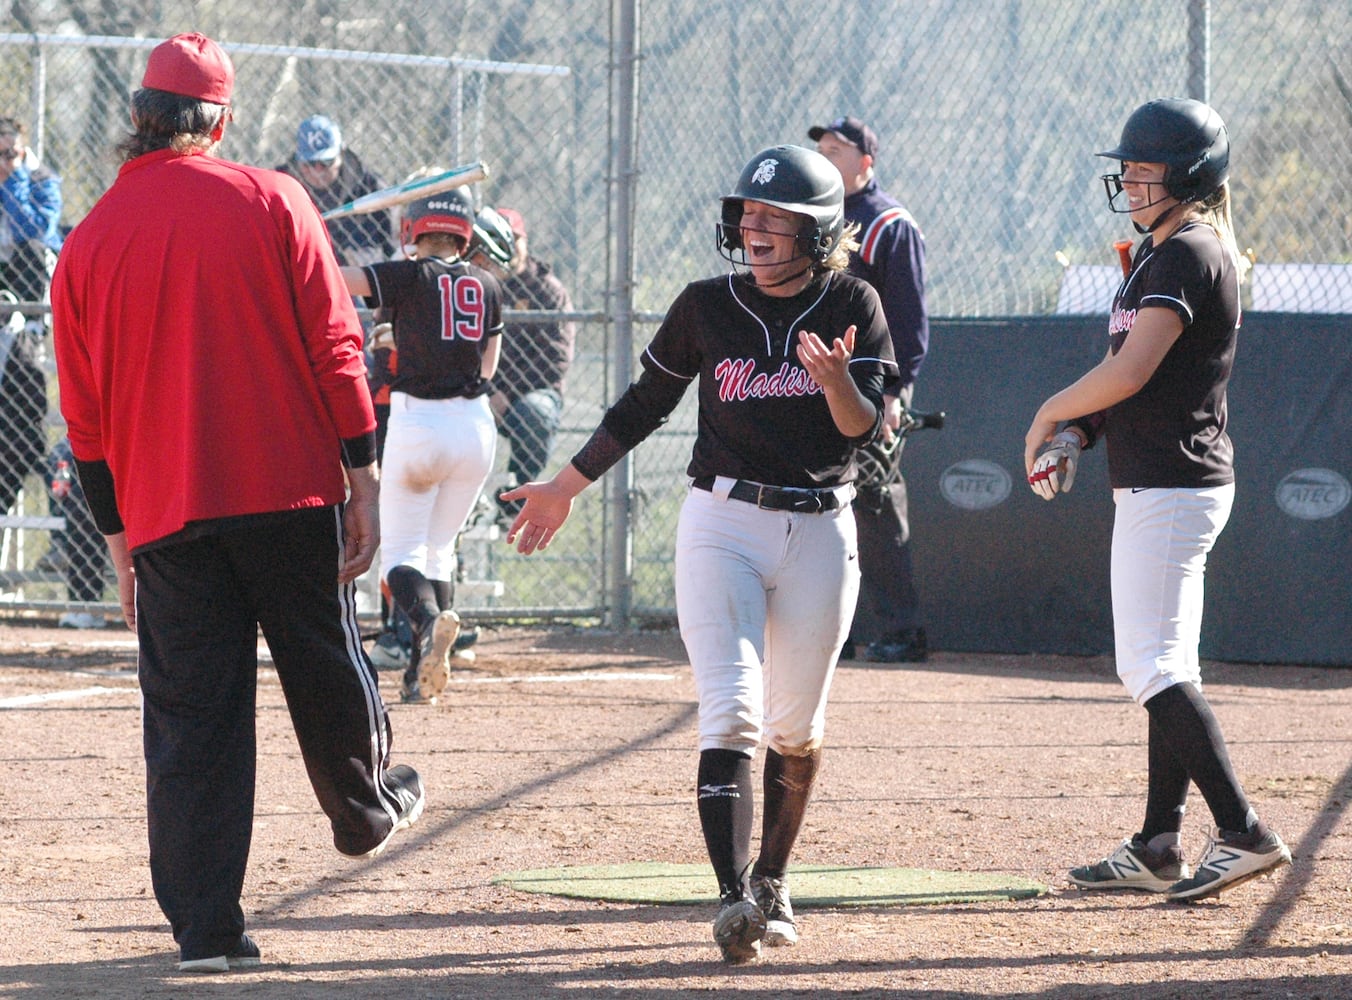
(1214, 210)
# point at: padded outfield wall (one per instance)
(1001, 570)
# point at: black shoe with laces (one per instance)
(739, 928)
(905, 646)
(772, 896)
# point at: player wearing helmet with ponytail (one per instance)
(447, 319)
(791, 354)
(1159, 400)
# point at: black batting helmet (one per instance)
(449, 212)
(493, 236)
(1187, 136)
(798, 180)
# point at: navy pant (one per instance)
(531, 424)
(200, 604)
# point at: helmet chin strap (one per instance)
(1159, 219)
(781, 281)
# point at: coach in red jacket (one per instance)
(212, 380)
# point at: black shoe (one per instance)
(244, 955)
(739, 929)
(906, 646)
(403, 785)
(772, 896)
(467, 637)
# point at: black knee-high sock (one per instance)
(726, 811)
(414, 594)
(1190, 728)
(445, 591)
(787, 788)
(1167, 794)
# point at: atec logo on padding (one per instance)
(1313, 494)
(975, 484)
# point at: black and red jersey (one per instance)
(1171, 433)
(443, 312)
(761, 416)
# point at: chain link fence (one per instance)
(588, 113)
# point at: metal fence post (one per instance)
(1199, 50)
(620, 599)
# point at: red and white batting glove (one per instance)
(1054, 470)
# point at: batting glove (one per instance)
(1054, 470)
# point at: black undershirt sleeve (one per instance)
(871, 386)
(96, 482)
(644, 407)
(359, 451)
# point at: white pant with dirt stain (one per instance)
(764, 599)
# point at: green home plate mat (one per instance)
(812, 885)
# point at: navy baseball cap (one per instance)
(851, 130)
(318, 138)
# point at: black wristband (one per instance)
(360, 451)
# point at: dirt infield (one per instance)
(576, 747)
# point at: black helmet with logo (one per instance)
(798, 180)
(493, 236)
(1187, 136)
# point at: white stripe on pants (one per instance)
(1161, 538)
(764, 600)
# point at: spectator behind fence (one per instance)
(23, 402)
(30, 210)
(536, 355)
(334, 174)
(30, 215)
(243, 463)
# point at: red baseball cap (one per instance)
(191, 65)
(514, 220)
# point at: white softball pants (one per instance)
(438, 454)
(1161, 538)
(764, 599)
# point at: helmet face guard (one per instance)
(798, 180)
(810, 243)
(1187, 136)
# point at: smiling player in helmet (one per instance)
(1159, 399)
(447, 319)
(790, 354)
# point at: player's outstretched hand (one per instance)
(547, 507)
(828, 366)
(1053, 471)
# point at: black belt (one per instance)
(777, 497)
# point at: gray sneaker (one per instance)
(738, 929)
(1133, 866)
(434, 661)
(1226, 863)
(388, 653)
(772, 896)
